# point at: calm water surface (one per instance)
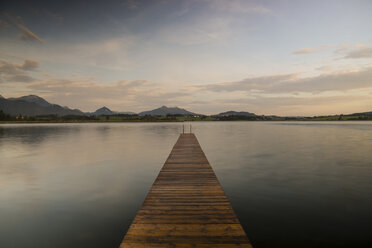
(292, 184)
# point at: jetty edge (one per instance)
(186, 206)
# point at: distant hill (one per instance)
(164, 110)
(33, 106)
(106, 111)
(234, 113)
(363, 113)
(32, 98)
(103, 111)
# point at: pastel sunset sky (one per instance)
(268, 57)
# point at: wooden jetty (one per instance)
(186, 206)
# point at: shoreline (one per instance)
(169, 121)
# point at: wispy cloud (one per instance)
(204, 31)
(285, 94)
(292, 83)
(131, 4)
(4, 24)
(12, 72)
(237, 6)
(54, 15)
(309, 50)
(87, 93)
(354, 51)
(362, 52)
(107, 53)
(26, 33)
(324, 68)
(90, 94)
(252, 83)
(300, 105)
(30, 65)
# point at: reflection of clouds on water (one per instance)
(34, 134)
(94, 177)
(20, 146)
(361, 125)
(78, 177)
(276, 173)
(262, 155)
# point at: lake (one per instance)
(291, 184)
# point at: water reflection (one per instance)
(296, 184)
(76, 185)
(33, 135)
(292, 184)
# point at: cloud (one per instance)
(208, 30)
(4, 24)
(12, 72)
(286, 94)
(26, 34)
(324, 68)
(237, 6)
(83, 92)
(110, 53)
(345, 47)
(131, 4)
(291, 83)
(30, 65)
(283, 94)
(309, 50)
(362, 52)
(248, 84)
(204, 22)
(54, 16)
(300, 106)
(354, 51)
(89, 94)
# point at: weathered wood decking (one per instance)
(186, 206)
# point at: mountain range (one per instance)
(33, 105)
(235, 113)
(164, 110)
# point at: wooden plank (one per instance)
(186, 206)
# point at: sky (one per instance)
(276, 57)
